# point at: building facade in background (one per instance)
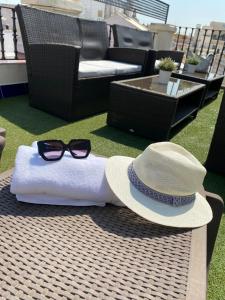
(203, 40)
(210, 39)
(87, 9)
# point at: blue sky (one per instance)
(186, 12)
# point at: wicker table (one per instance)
(50, 252)
(212, 83)
(146, 107)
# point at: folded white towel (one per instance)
(55, 200)
(66, 179)
(34, 145)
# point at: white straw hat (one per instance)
(162, 185)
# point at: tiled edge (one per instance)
(12, 90)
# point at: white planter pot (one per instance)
(191, 68)
(164, 76)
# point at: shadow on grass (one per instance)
(216, 184)
(17, 111)
(130, 139)
(122, 137)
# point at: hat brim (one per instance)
(191, 215)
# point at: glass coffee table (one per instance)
(146, 107)
(212, 83)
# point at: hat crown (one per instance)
(170, 169)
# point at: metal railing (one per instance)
(10, 34)
(202, 42)
(156, 9)
(13, 35)
(197, 40)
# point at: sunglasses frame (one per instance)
(65, 147)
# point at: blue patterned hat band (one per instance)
(161, 197)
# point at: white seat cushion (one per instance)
(98, 68)
(119, 67)
(87, 70)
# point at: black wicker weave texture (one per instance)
(41, 27)
(88, 253)
(132, 38)
(54, 45)
(216, 157)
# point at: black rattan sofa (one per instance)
(70, 65)
(132, 38)
(126, 37)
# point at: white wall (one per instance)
(12, 72)
(91, 10)
(72, 7)
(9, 45)
(117, 19)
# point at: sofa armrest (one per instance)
(217, 205)
(56, 60)
(129, 55)
(54, 73)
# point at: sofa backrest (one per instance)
(40, 27)
(126, 37)
(94, 39)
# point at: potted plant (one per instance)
(192, 63)
(166, 66)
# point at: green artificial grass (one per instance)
(25, 125)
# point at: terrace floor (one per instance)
(25, 124)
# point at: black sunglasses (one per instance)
(51, 150)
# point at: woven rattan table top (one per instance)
(50, 252)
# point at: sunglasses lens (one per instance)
(52, 150)
(80, 148)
